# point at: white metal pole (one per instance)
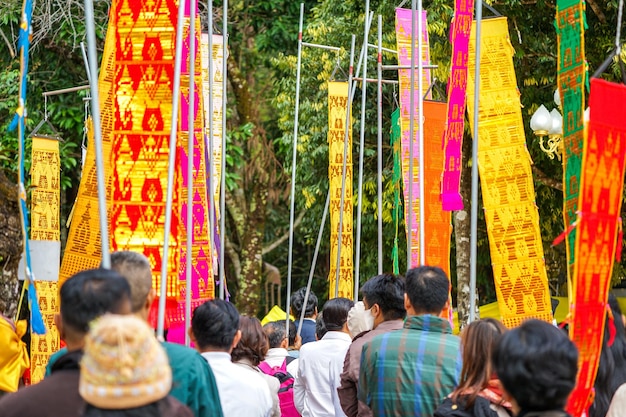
(210, 159)
(97, 132)
(380, 145)
(190, 168)
(420, 133)
(409, 211)
(312, 270)
(474, 212)
(170, 167)
(342, 201)
(293, 166)
(223, 174)
(359, 206)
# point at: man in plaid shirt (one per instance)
(410, 371)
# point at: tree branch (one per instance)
(234, 256)
(550, 182)
(267, 249)
(597, 10)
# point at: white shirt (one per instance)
(243, 392)
(276, 357)
(321, 363)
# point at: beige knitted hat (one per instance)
(124, 366)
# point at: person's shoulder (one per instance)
(171, 407)
(35, 398)
(177, 353)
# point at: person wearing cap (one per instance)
(193, 379)
(125, 371)
(84, 297)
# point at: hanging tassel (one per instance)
(612, 329)
(36, 320)
(560, 238)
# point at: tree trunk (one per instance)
(462, 223)
(10, 246)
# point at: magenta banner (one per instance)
(403, 39)
(460, 28)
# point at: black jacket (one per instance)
(481, 408)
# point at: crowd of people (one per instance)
(391, 354)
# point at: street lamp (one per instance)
(550, 124)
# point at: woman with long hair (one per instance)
(251, 350)
(612, 367)
(479, 393)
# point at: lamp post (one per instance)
(549, 124)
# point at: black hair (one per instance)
(612, 366)
(214, 324)
(537, 364)
(386, 290)
(293, 330)
(336, 313)
(297, 301)
(89, 294)
(320, 327)
(275, 332)
(427, 288)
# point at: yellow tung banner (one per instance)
(506, 179)
(216, 117)
(337, 105)
(45, 204)
(83, 250)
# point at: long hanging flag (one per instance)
(570, 22)
(36, 321)
(215, 119)
(202, 283)
(144, 68)
(460, 28)
(45, 230)
(83, 249)
(599, 237)
(337, 107)
(439, 230)
(397, 184)
(403, 39)
(507, 184)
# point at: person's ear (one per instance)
(149, 300)
(285, 343)
(376, 311)
(446, 305)
(407, 302)
(192, 337)
(59, 323)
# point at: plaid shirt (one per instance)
(410, 371)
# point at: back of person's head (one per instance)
(88, 295)
(293, 333)
(427, 288)
(214, 325)
(124, 366)
(537, 365)
(135, 267)
(297, 303)
(387, 291)
(478, 340)
(336, 313)
(320, 326)
(275, 332)
(253, 344)
(612, 367)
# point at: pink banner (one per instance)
(460, 28)
(403, 39)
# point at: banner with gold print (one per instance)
(45, 218)
(337, 107)
(506, 178)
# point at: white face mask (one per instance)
(359, 319)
